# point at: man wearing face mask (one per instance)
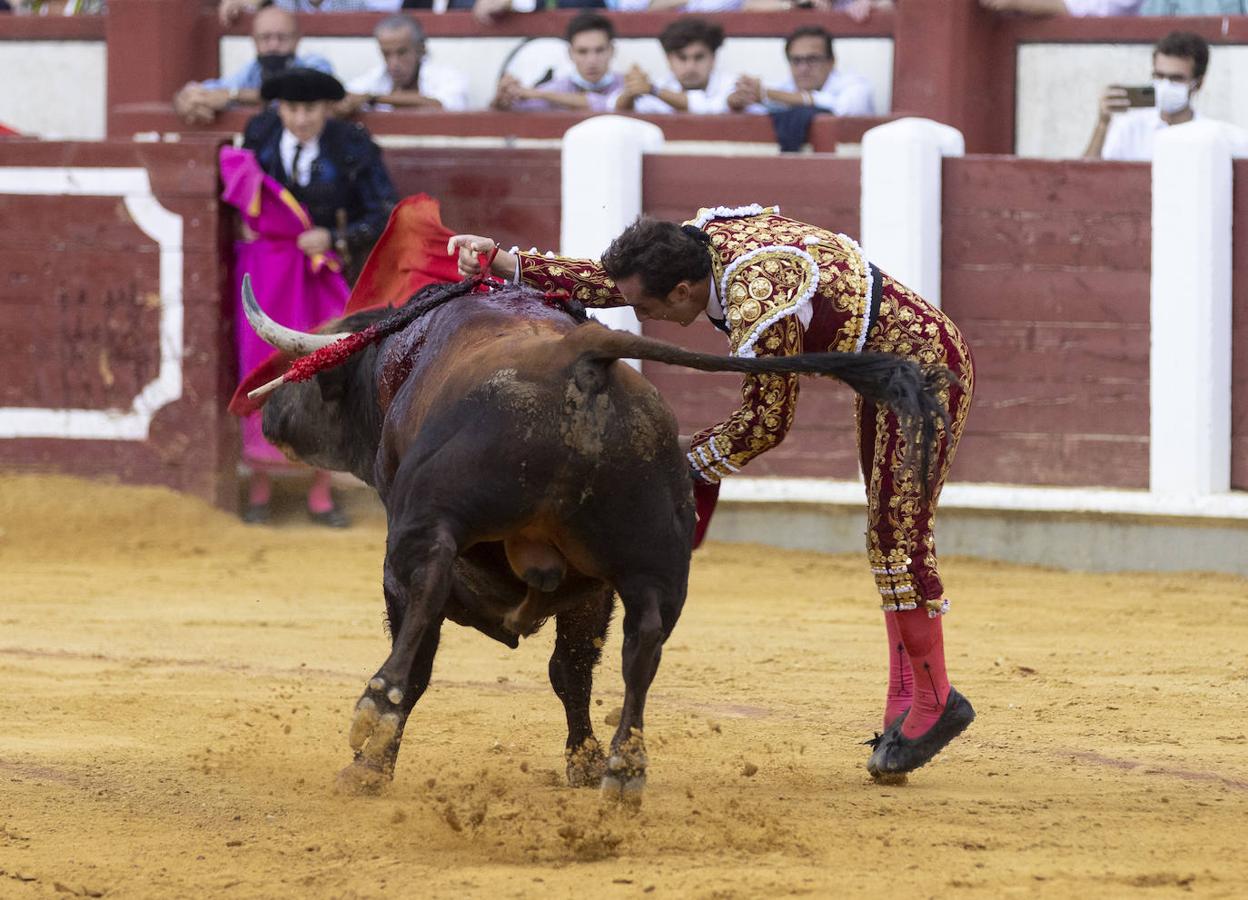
(1122, 133)
(276, 36)
(590, 85)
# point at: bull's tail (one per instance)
(910, 390)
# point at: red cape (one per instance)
(410, 254)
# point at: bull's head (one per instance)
(319, 421)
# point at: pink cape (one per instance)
(298, 291)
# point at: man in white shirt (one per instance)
(407, 77)
(1180, 60)
(693, 85)
(813, 81)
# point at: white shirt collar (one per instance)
(714, 308)
(311, 150)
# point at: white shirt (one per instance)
(447, 86)
(311, 150)
(843, 94)
(1103, 7)
(1132, 133)
(712, 99)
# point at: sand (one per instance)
(177, 689)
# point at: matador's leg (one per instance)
(902, 551)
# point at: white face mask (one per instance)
(1172, 96)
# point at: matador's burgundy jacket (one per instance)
(781, 287)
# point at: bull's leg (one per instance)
(370, 775)
(579, 636)
(425, 561)
(650, 613)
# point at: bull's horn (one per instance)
(297, 343)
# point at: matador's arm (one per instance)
(768, 403)
(582, 279)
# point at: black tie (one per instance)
(294, 164)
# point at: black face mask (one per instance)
(273, 63)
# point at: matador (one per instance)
(775, 286)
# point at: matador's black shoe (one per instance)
(895, 754)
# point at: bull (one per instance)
(525, 475)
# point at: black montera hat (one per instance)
(302, 86)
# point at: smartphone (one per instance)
(1145, 95)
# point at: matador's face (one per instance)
(683, 304)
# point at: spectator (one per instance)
(813, 81)
(590, 85)
(406, 77)
(228, 11)
(336, 166)
(1194, 8)
(693, 85)
(1179, 63)
(336, 173)
(276, 36)
(1066, 7)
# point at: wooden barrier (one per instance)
(1239, 337)
(118, 356)
(1046, 269)
(826, 132)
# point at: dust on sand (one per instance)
(177, 689)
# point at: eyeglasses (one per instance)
(808, 60)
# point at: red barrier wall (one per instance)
(1239, 331)
(513, 196)
(1046, 271)
(80, 308)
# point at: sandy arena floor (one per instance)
(177, 687)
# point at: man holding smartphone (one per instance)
(1131, 116)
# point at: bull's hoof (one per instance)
(586, 764)
(625, 790)
(890, 779)
(624, 781)
(374, 733)
(361, 780)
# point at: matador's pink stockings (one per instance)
(924, 642)
(900, 679)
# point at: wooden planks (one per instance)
(1046, 271)
(1239, 330)
(80, 308)
(513, 196)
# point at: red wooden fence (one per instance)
(1046, 268)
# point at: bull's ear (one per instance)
(333, 384)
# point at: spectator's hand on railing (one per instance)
(637, 82)
(509, 91)
(197, 105)
(228, 11)
(1114, 100)
(748, 90)
(486, 11)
